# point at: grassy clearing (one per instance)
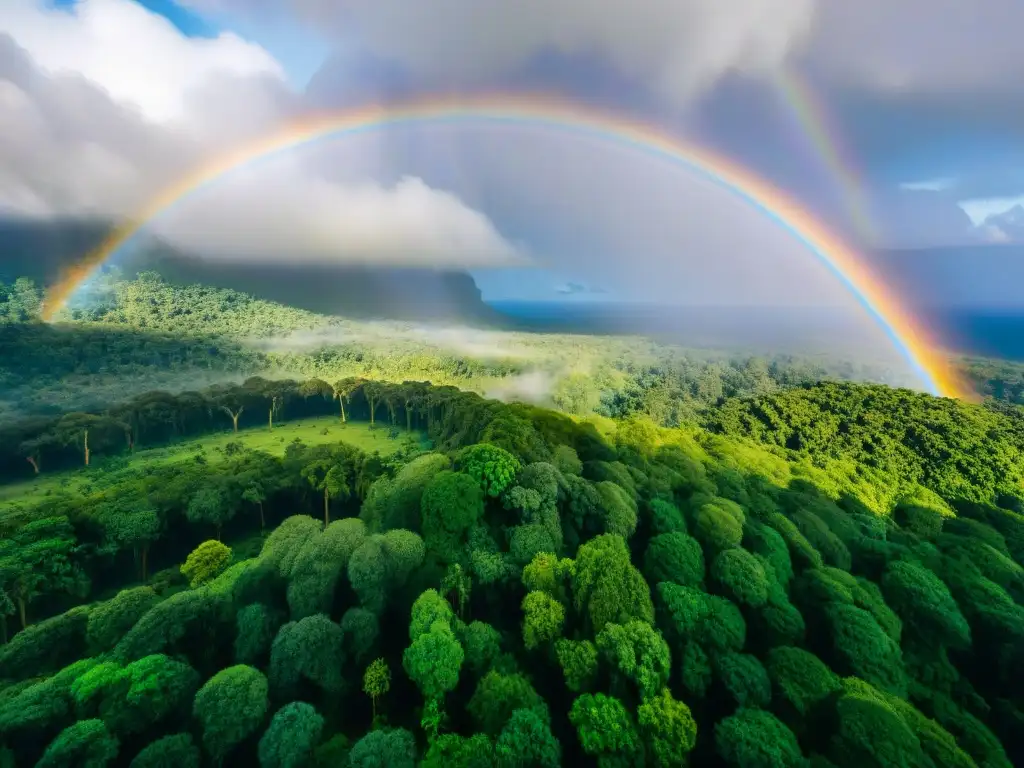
(318, 431)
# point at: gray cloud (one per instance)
(678, 47)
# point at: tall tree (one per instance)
(342, 391)
(130, 523)
(210, 505)
(376, 682)
(327, 476)
(37, 559)
(255, 494)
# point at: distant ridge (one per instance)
(43, 250)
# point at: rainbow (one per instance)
(830, 249)
(816, 125)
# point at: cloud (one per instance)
(126, 50)
(678, 47)
(282, 215)
(571, 289)
(106, 104)
(1007, 226)
(943, 47)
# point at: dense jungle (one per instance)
(239, 533)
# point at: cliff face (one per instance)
(43, 251)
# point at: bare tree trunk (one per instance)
(21, 612)
(270, 419)
(34, 462)
(87, 447)
(262, 521)
(234, 415)
(342, 404)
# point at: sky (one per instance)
(107, 102)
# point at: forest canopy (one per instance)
(840, 583)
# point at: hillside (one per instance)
(43, 251)
(523, 590)
(144, 334)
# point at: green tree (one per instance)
(230, 707)
(396, 503)
(428, 608)
(481, 643)
(319, 564)
(458, 583)
(394, 748)
(175, 751)
(86, 744)
(925, 604)
(543, 619)
(620, 514)
(210, 506)
(205, 563)
(433, 661)
(578, 660)
(376, 682)
(717, 529)
(492, 467)
(382, 565)
(256, 625)
(547, 573)
(665, 517)
(361, 630)
(37, 560)
(293, 734)
(753, 738)
(606, 730)
(326, 476)
(451, 505)
(111, 619)
(607, 586)
(667, 728)
(451, 750)
(526, 741)
(744, 679)
(862, 648)
(285, 543)
(132, 699)
(711, 621)
(254, 493)
(127, 526)
(638, 653)
(674, 557)
(740, 577)
(311, 649)
(800, 680)
(497, 696)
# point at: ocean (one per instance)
(972, 332)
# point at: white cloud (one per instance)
(106, 105)
(138, 57)
(281, 214)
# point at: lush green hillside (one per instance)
(145, 334)
(808, 584)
